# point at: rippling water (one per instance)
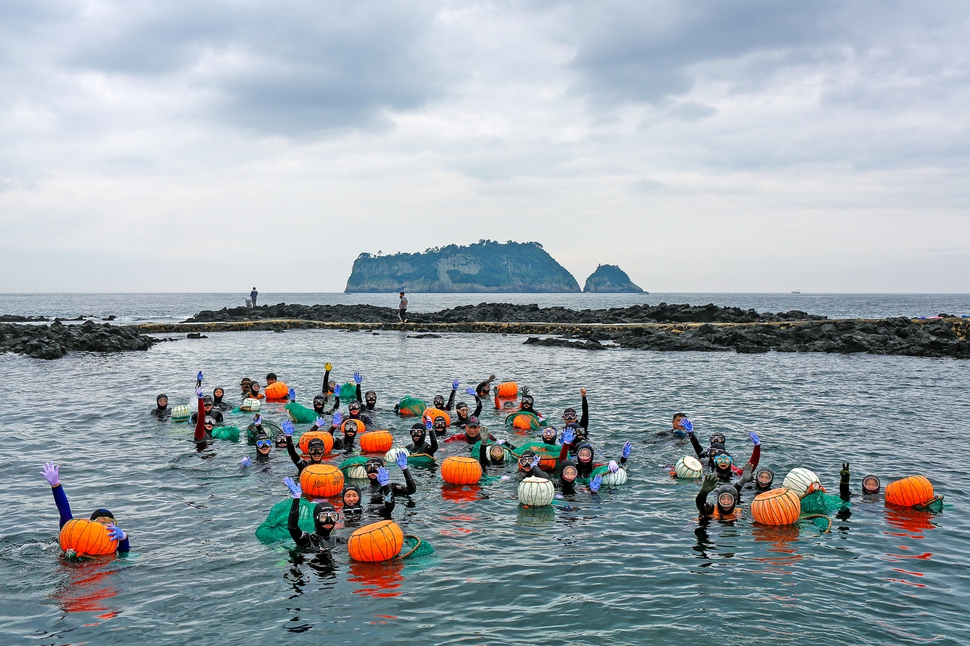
(631, 565)
(139, 308)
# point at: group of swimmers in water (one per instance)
(575, 467)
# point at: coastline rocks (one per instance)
(15, 318)
(504, 313)
(56, 340)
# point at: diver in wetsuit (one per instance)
(461, 410)
(264, 447)
(727, 499)
(208, 405)
(472, 433)
(676, 429)
(439, 400)
(354, 413)
(217, 400)
(324, 521)
(345, 441)
(870, 484)
(161, 410)
(51, 473)
(718, 446)
(764, 479)
(382, 490)
(315, 448)
(420, 436)
(369, 400)
(484, 389)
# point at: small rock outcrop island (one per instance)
(486, 266)
(610, 279)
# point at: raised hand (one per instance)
(383, 477)
(746, 472)
(568, 435)
(428, 424)
(115, 533)
(687, 425)
(257, 420)
(198, 377)
(320, 423)
(402, 460)
(709, 484)
(198, 392)
(292, 394)
(52, 473)
(582, 392)
(535, 461)
(328, 366)
(287, 428)
(613, 467)
(596, 483)
(754, 438)
(338, 417)
(358, 378)
(471, 391)
(455, 384)
(294, 488)
(246, 462)
(627, 448)
(844, 473)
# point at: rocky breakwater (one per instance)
(56, 340)
(943, 337)
(502, 313)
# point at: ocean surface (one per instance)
(142, 308)
(631, 565)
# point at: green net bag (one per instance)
(509, 455)
(524, 421)
(300, 413)
(543, 450)
(819, 502)
(348, 467)
(422, 460)
(230, 433)
(348, 392)
(274, 528)
(415, 548)
(935, 505)
(270, 428)
(410, 407)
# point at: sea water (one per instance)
(630, 565)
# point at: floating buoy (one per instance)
(180, 414)
(357, 472)
(776, 507)
(321, 480)
(536, 492)
(802, 482)
(507, 389)
(376, 441)
(86, 538)
(327, 439)
(909, 492)
(376, 542)
(249, 405)
(688, 468)
(391, 456)
(461, 470)
(614, 479)
(524, 421)
(277, 391)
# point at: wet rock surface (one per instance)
(504, 313)
(56, 340)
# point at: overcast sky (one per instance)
(701, 146)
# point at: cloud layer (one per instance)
(718, 146)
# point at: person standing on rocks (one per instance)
(402, 310)
(252, 296)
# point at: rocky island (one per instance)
(610, 279)
(486, 266)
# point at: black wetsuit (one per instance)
(216, 415)
(459, 421)
(318, 541)
(425, 447)
(162, 413)
(300, 463)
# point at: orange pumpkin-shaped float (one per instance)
(461, 470)
(909, 492)
(776, 507)
(431, 413)
(321, 480)
(376, 441)
(376, 542)
(86, 538)
(507, 389)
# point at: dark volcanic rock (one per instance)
(14, 318)
(55, 340)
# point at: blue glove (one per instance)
(115, 533)
(613, 467)
(455, 384)
(597, 482)
(246, 462)
(357, 378)
(428, 424)
(687, 426)
(754, 438)
(198, 392)
(626, 449)
(338, 417)
(320, 423)
(51, 473)
(293, 487)
(287, 428)
(535, 461)
(383, 477)
(568, 436)
(402, 460)
(471, 391)
(198, 377)
(292, 394)
(258, 420)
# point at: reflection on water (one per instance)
(87, 585)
